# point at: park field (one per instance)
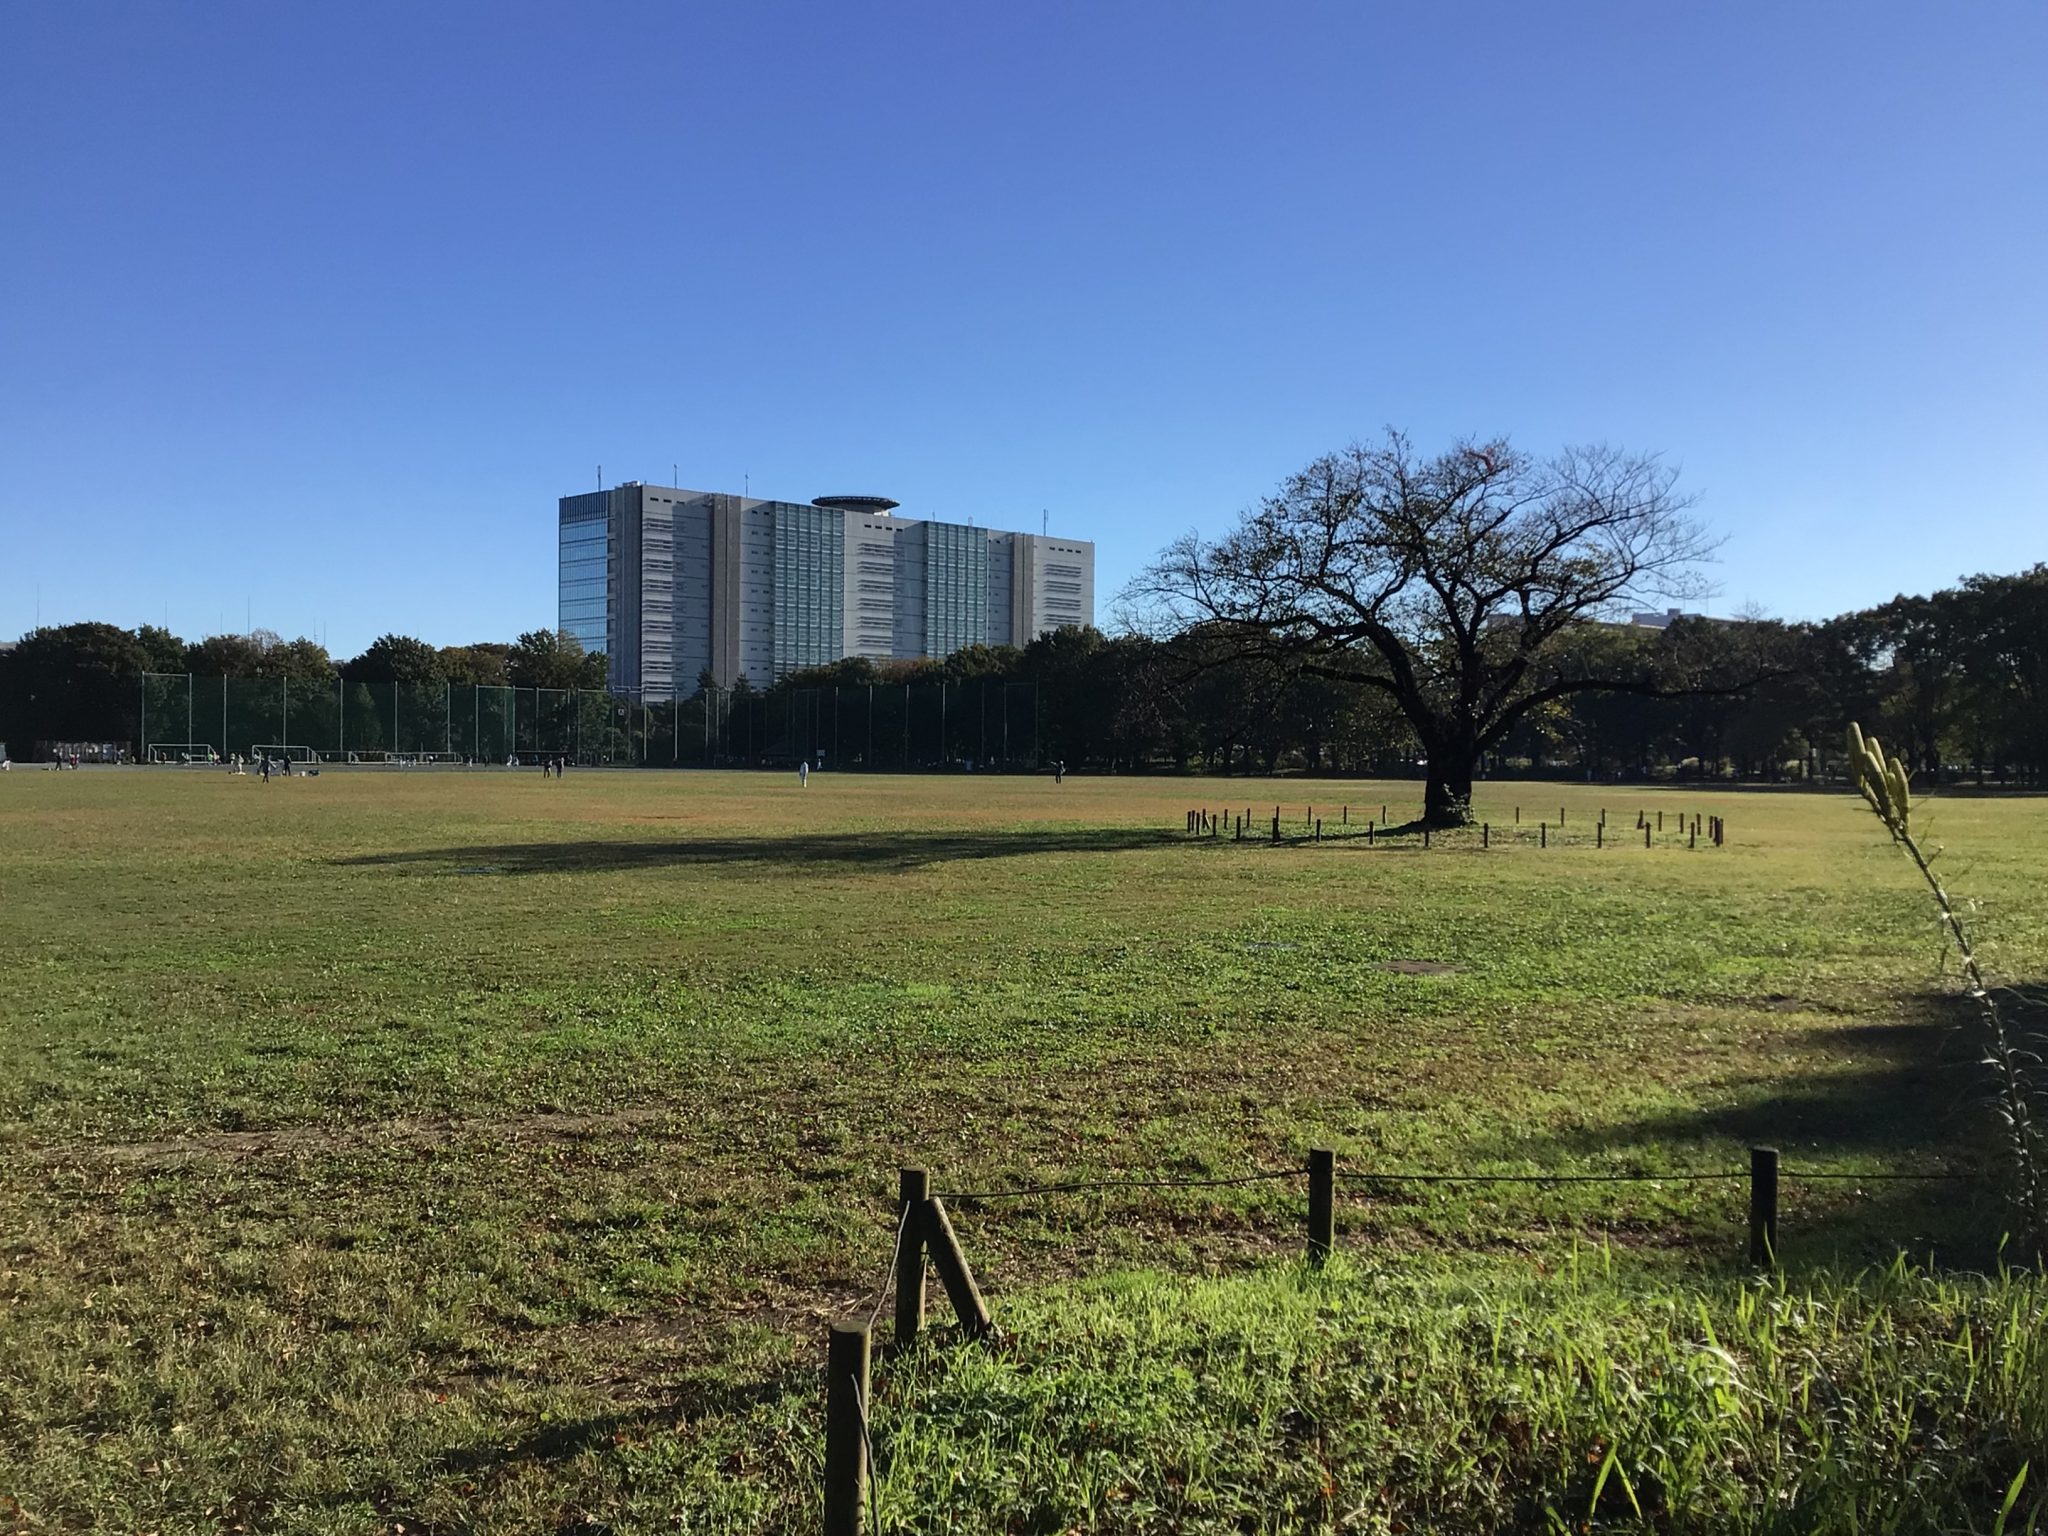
(450, 1151)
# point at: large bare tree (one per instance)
(1443, 582)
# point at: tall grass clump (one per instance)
(1461, 1397)
(1887, 788)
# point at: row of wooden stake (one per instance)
(925, 1231)
(1202, 822)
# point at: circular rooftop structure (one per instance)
(881, 505)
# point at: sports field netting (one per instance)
(894, 727)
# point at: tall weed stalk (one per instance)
(1887, 787)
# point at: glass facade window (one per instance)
(956, 588)
(810, 586)
(586, 577)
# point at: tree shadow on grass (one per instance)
(1909, 1097)
(870, 850)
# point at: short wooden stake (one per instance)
(1345, 819)
(1485, 835)
(1599, 834)
(913, 1187)
(1560, 815)
(1694, 840)
(1543, 834)
(846, 1438)
(1518, 815)
(1370, 827)
(1763, 1206)
(1276, 826)
(1660, 821)
(1322, 1204)
(1425, 834)
(1646, 837)
(951, 1262)
(1319, 829)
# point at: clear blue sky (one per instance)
(317, 308)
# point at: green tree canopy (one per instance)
(396, 659)
(554, 658)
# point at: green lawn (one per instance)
(484, 1152)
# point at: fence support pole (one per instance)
(1322, 1204)
(846, 1447)
(913, 1188)
(951, 1262)
(1763, 1206)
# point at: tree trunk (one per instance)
(1447, 789)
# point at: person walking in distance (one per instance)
(803, 773)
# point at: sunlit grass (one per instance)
(384, 1146)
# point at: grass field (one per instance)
(457, 1151)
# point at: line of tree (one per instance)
(76, 682)
(1959, 680)
(1383, 611)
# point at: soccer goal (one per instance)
(286, 754)
(182, 752)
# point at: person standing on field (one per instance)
(803, 773)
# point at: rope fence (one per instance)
(924, 1232)
(1205, 824)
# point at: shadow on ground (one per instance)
(873, 850)
(1909, 1097)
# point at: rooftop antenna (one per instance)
(1044, 522)
(746, 485)
(600, 477)
(675, 474)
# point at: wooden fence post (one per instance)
(1599, 834)
(846, 1439)
(1276, 826)
(1425, 834)
(1543, 834)
(1319, 829)
(1322, 1204)
(1763, 1206)
(1485, 835)
(1646, 837)
(913, 1186)
(951, 1262)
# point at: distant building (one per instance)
(671, 583)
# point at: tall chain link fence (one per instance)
(896, 727)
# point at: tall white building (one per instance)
(672, 583)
